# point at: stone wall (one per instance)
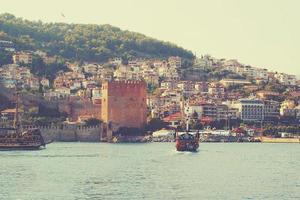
(70, 133)
(79, 108)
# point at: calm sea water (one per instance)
(70, 171)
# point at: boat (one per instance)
(12, 139)
(280, 140)
(187, 141)
(16, 138)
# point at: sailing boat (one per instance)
(14, 138)
(187, 141)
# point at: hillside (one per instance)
(85, 42)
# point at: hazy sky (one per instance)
(262, 33)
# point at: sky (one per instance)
(260, 33)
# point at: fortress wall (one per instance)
(89, 134)
(75, 109)
(70, 133)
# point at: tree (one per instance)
(155, 124)
(130, 131)
(151, 88)
(196, 125)
(5, 57)
(92, 122)
(195, 115)
(5, 102)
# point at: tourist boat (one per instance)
(14, 138)
(187, 141)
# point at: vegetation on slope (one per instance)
(85, 42)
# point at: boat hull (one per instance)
(187, 142)
(20, 147)
(187, 145)
(191, 149)
(279, 140)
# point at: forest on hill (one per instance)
(84, 42)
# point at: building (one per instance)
(246, 71)
(191, 108)
(201, 87)
(174, 61)
(203, 62)
(297, 110)
(286, 79)
(173, 120)
(150, 76)
(123, 72)
(271, 110)
(216, 89)
(287, 108)
(222, 112)
(63, 92)
(115, 61)
(91, 68)
(230, 82)
(251, 109)
(187, 87)
(124, 103)
(168, 85)
(214, 111)
(49, 59)
(22, 57)
(7, 45)
(9, 114)
(264, 94)
(34, 83)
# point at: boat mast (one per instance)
(184, 117)
(187, 123)
(16, 124)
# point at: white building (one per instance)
(91, 68)
(286, 79)
(174, 61)
(250, 109)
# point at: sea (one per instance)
(92, 171)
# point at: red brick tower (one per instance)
(124, 103)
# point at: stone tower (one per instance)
(124, 103)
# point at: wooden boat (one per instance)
(11, 139)
(187, 141)
(15, 138)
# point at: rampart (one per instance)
(70, 133)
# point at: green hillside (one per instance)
(85, 42)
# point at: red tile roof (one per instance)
(174, 117)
